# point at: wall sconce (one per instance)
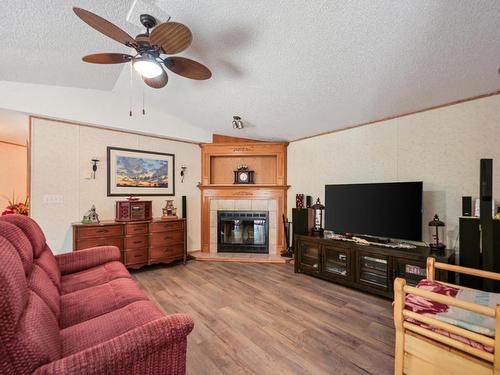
(94, 167)
(237, 123)
(183, 172)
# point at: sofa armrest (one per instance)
(158, 347)
(82, 259)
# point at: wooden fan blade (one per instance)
(187, 68)
(104, 26)
(107, 58)
(172, 37)
(157, 82)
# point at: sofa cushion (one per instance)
(31, 229)
(48, 262)
(105, 327)
(93, 276)
(38, 334)
(40, 283)
(22, 244)
(13, 287)
(41, 252)
(29, 331)
(92, 302)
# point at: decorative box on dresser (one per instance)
(140, 242)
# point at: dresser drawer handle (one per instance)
(168, 237)
(101, 231)
(140, 241)
(137, 229)
(137, 255)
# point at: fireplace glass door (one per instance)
(243, 231)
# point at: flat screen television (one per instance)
(389, 210)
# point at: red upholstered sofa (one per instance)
(78, 313)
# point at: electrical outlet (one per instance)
(53, 199)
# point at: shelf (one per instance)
(336, 262)
(243, 186)
(339, 270)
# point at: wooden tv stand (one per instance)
(370, 268)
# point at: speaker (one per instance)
(486, 180)
(184, 207)
(302, 220)
(466, 206)
(309, 201)
(486, 221)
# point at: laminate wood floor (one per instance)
(265, 319)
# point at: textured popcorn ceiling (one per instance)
(289, 68)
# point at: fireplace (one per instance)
(243, 231)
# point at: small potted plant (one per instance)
(21, 208)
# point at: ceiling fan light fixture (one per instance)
(147, 67)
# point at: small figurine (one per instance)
(91, 216)
(169, 211)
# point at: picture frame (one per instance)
(139, 173)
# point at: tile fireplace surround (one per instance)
(269, 205)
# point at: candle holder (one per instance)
(318, 208)
(436, 226)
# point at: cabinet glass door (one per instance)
(374, 271)
(309, 256)
(410, 270)
(336, 262)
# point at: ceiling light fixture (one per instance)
(237, 123)
(147, 66)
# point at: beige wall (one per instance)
(61, 162)
(13, 173)
(441, 147)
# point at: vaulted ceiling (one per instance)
(289, 68)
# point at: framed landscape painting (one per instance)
(140, 173)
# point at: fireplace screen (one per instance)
(243, 231)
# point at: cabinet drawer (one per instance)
(136, 256)
(174, 251)
(136, 228)
(100, 231)
(166, 238)
(103, 241)
(135, 242)
(163, 226)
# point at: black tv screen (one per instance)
(392, 210)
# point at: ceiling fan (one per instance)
(167, 38)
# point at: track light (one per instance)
(237, 123)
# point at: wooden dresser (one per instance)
(140, 242)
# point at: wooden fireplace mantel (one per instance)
(218, 162)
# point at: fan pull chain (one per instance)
(143, 110)
(131, 88)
